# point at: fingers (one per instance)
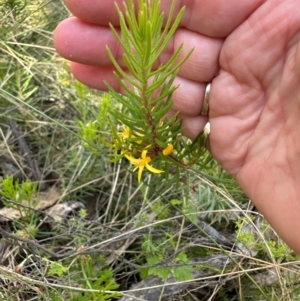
(215, 18)
(192, 126)
(94, 76)
(86, 44)
(256, 62)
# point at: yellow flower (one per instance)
(126, 132)
(168, 150)
(141, 163)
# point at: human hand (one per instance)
(250, 51)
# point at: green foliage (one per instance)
(54, 295)
(23, 38)
(145, 135)
(278, 249)
(57, 269)
(155, 269)
(179, 267)
(82, 213)
(245, 237)
(156, 251)
(183, 272)
(93, 126)
(161, 210)
(89, 274)
(21, 197)
(96, 279)
(17, 193)
(190, 210)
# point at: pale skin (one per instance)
(250, 50)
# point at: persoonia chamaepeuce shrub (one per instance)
(144, 136)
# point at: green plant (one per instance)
(96, 281)
(54, 295)
(93, 126)
(21, 197)
(15, 193)
(160, 261)
(95, 278)
(146, 138)
(267, 247)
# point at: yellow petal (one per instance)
(152, 169)
(126, 132)
(168, 150)
(132, 159)
(140, 173)
(144, 153)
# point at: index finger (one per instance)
(215, 18)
